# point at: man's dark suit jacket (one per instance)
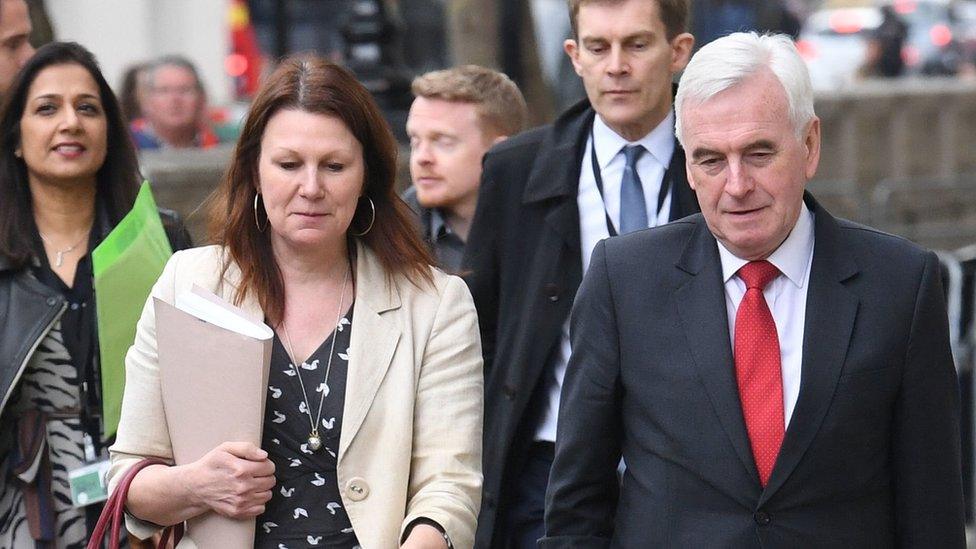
(524, 263)
(871, 455)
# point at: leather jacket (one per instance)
(29, 309)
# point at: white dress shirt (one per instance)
(786, 296)
(594, 209)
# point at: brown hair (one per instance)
(501, 107)
(674, 14)
(315, 85)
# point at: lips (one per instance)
(69, 149)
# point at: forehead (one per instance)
(599, 18)
(14, 18)
(757, 107)
(64, 80)
(428, 114)
(173, 74)
(301, 130)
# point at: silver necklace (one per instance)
(314, 440)
(59, 257)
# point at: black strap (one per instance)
(595, 166)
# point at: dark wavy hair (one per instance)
(117, 179)
(312, 84)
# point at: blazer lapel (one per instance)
(700, 303)
(830, 316)
(373, 340)
(684, 201)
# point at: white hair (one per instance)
(729, 60)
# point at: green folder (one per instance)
(126, 265)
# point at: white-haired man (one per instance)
(772, 376)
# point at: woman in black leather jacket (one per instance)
(68, 174)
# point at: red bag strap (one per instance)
(115, 508)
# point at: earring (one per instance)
(256, 222)
(18, 153)
(372, 219)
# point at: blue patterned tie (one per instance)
(633, 210)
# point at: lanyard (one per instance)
(595, 165)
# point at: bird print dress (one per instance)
(305, 508)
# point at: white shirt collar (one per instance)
(792, 258)
(659, 142)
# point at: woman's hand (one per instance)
(234, 479)
(424, 536)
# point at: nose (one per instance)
(617, 62)
(310, 186)
(421, 154)
(738, 182)
(70, 121)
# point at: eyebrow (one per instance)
(700, 153)
(58, 96)
(634, 36)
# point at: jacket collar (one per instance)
(555, 173)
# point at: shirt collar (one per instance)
(659, 142)
(792, 258)
(438, 225)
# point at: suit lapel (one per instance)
(684, 201)
(700, 303)
(830, 316)
(373, 340)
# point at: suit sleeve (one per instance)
(480, 264)
(925, 436)
(583, 488)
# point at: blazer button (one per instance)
(509, 392)
(552, 292)
(762, 518)
(357, 489)
(52, 301)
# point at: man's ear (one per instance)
(811, 141)
(681, 47)
(571, 47)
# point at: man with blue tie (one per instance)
(607, 166)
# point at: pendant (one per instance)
(59, 260)
(314, 441)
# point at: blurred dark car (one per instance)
(834, 42)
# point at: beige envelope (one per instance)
(214, 384)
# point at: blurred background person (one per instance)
(134, 91)
(15, 48)
(175, 110)
(712, 19)
(458, 114)
(309, 228)
(883, 56)
(68, 174)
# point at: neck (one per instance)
(459, 218)
(634, 131)
(177, 137)
(302, 267)
(63, 212)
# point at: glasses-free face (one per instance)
(63, 130)
(747, 165)
(311, 173)
(15, 49)
(447, 143)
(627, 62)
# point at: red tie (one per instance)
(757, 367)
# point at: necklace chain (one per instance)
(290, 349)
(59, 254)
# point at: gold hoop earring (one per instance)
(372, 219)
(256, 222)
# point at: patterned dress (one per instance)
(306, 509)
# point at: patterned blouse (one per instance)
(306, 509)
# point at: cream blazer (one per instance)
(410, 445)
